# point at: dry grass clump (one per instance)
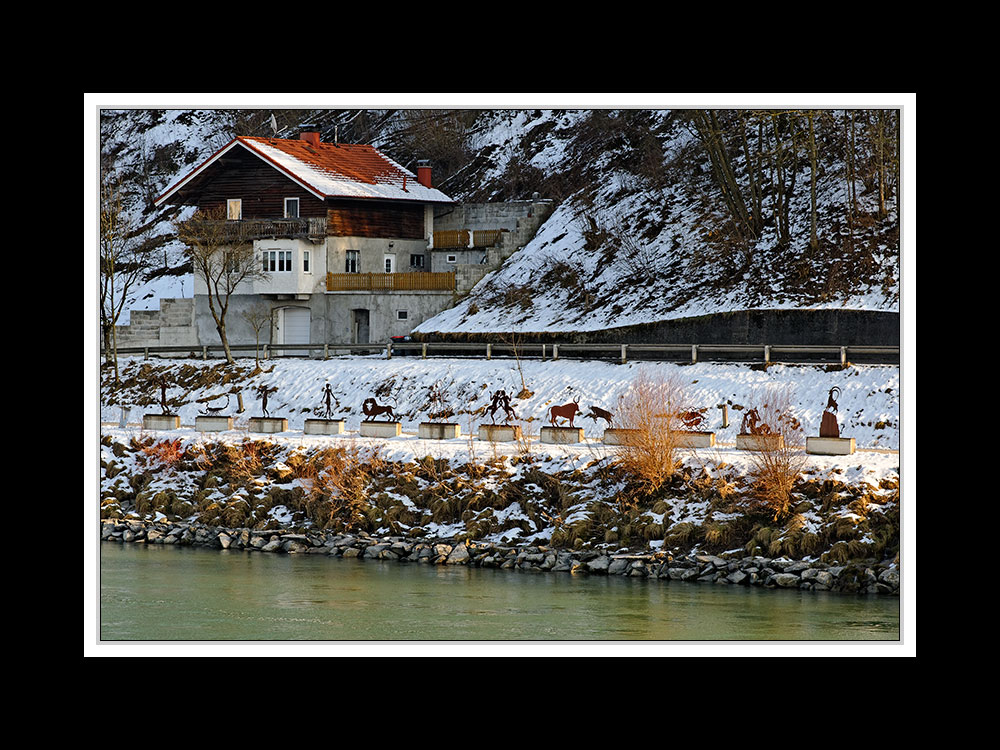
(650, 410)
(776, 465)
(337, 481)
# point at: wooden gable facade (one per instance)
(262, 187)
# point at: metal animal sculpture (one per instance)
(500, 400)
(213, 410)
(263, 391)
(372, 409)
(829, 427)
(566, 411)
(752, 424)
(691, 419)
(598, 413)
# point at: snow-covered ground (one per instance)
(869, 403)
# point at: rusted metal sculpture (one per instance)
(162, 382)
(263, 391)
(372, 409)
(829, 428)
(212, 411)
(691, 419)
(598, 413)
(753, 425)
(500, 400)
(327, 401)
(566, 411)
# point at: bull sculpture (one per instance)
(566, 411)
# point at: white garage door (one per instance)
(294, 329)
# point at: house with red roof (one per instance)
(345, 236)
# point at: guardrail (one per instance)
(755, 353)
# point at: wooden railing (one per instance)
(413, 281)
(463, 238)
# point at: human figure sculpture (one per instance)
(263, 391)
(828, 427)
(328, 401)
(752, 424)
(500, 400)
(162, 382)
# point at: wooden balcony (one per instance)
(313, 229)
(464, 238)
(413, 281)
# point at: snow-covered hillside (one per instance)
(640, 232)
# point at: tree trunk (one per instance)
(813, 239)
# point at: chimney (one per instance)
(424, 173)
(309, 135)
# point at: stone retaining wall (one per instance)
(861, 578)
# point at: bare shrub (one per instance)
(650, 410)
(337, 481)
(777, 463)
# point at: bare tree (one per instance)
(124, 260)
(222, 255)
(258, 317)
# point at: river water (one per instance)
(155, 593)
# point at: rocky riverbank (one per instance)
(858, 577)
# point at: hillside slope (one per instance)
(646, 227)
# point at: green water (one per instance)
(164, 593)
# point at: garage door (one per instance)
(294, 329)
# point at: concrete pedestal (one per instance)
(620, 436)
(438, 431)
(381, 429)
(161, 422)
(500, 433)
(562, 435)
(323, 427)
(268, 424)
(213, 424)
(760, 442)
(695, 439)
(825, 446)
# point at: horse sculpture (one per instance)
(566, 411)
(829, 427)
(372, 409)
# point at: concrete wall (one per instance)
(173, 324)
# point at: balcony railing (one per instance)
(464, 238)
(413, 281)
(313, 228)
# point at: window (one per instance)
(388, 264)
(305, 262)
(277, 260)
(452, 259)
(234, 209)
(291, 208)
(352, 261)
(416, 261)
(402, 314)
